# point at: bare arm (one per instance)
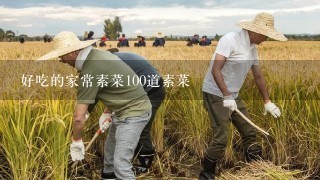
(261, 83)
(107, 110)
(78, 120)
(217, 75)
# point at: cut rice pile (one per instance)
(261, 170)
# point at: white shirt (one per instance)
(241, 56)
(82, 56)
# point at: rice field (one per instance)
(35, 122)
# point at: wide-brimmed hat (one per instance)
(263, 23)
(64, 43)
(159, 35)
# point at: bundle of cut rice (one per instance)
(261, 170)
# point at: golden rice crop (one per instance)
(35, 127)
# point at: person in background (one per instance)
(205, 41)
(235, 54)
(153, 86)
(189, 42)
(208, 41)
(195, 39)
(141, 42)
(159, 41)
(46, 38)
(85, 35)
(103, 41)
(123, 41)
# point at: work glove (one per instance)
(229, 102)
(272, 109)
(77, 150)
(105, 121)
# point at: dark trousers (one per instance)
(221, 117)
(145, 146)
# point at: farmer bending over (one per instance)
(235, 55)
(130, 104)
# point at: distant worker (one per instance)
(103, 41)
(85, 36)
(46, 38)
(189, 42)
(154, 87)
(123, 41)
(208, 41)
(159, 41)
(205, 41)
(90, 36)
(141, 42)
(130, 104)
(236, 54)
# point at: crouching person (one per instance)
(130, 104)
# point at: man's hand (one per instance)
(229, 102)
(105, 121)
(272, 109)
(77, 150)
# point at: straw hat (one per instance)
(263, 23)
(159, 35)
(64, 43)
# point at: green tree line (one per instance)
(112, 29)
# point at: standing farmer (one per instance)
(235, 55)
(130, 104)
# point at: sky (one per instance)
(146, 17)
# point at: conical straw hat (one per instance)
(159, 35)
(64, 43)
(263, 23)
